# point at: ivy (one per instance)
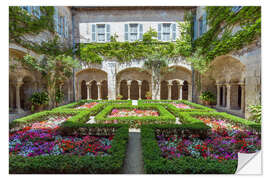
(149, 45)
(220, 39)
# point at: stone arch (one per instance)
(124, 89)
(145, 88)
(26, 90)
(178, 73)
(94, 90)
(83, 90)
(134, 90)
(164, 90)
(90, 75)
(175, 90)
(104, 89)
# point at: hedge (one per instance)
(40, 116)
(164, 117)
(74, 164)
(71, 106)
(154, 163)
(190, 117)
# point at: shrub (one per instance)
(208, 96)
(256, 111)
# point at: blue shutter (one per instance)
(195, 28)
(126, 32)
(93, 32)
(140, 31)
(108, 32)
(65, 27)
(55, 16)
(173, 32)
(38, 12)
(159, 31)
(204, 23)
(29, 9)
(24, 7)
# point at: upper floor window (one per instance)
(200, 26)
(236, 9)
(32, 10)
(167, 32)
(133, 32)
(60, 24)
(101, 32)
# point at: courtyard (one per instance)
(166, 90)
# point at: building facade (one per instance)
(235, 78)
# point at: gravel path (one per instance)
(133, 162)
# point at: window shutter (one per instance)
(140, 31)
(29, 9)
(55, 16)
(204, 23)
(195, 28)
(93, 33)
(126, 32)
(159, 31)
(66, 27)
(38, 12)
(173, 32)
(108, 32)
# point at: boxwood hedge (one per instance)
(190, 117)
(73, 164)
(154, 163)
(165, 117)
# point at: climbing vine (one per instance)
(127, 51)
(221, 39)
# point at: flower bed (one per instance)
(180, 149)
(87, 105)
(182, 106)
(73, 148)
(52, 122)
(132, 112)
(42, 142)
(135, 115)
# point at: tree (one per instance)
(55, 67)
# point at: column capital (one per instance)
(88, 84)
(129, 82)
(139, 82)
(18, 83)
(98, 83)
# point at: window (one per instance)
(61, 25)
(101, 32)
(166, 32)
(200, 26)
(236, 9)
(133, 32)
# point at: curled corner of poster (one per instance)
(249, 164)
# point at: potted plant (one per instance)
(207, 98)
(38, 101)
(59, 96)
(119, 97)
(148, 95)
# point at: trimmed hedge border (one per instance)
(71, 106)
(73, 164)
(36, 117)
(190, 118)
(164, 118)
(154, 163)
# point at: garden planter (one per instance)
(38, 108)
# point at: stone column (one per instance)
(218, 94)
(128, 84)
(228, 96)
(99, 90)
(11, 98)
(118, 88)
(69, 93)
(180, 91)
(88, 90)
(18, 85)
(169, 90)
(79, 91)
(140, 89)
(224, 96)
(190, 92)
(242, 97)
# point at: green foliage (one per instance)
(256, 111)
(59, 96)
(39, 98)
(164, 117)
(219, 39)
(208, 96)
(73, 164)
(154, 163)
